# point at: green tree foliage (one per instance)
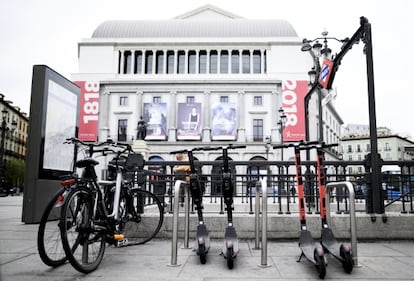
(14, 173)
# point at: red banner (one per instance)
(89, 109)
(293, 104)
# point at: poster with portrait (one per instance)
(223, 121)
(189, 121)
(155, 115)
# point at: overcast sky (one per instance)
(48, 31)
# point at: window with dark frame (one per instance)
(156, 99)
(123, 101)
(122, 129)
(190, 99)
(257, 129)
(257, 100)
(224, 99)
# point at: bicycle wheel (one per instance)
(49, 242)
(142, 217)
(84, 243)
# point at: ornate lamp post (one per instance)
(318, 52)
(4, 130)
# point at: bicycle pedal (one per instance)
(122, 242)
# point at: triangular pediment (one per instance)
(208, 12)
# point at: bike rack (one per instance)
(178, 184)
(262, 183)
(352, 216)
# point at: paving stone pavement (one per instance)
(20, 261)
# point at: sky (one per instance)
(48, 32)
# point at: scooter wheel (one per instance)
(347, 258)
(320, 263)
(230, 258)
(202, 253)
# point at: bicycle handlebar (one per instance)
(93, 145)
(305, 145)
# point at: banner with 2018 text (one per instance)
(89, 109)
(293, 104)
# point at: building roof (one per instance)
(205, 21)
(194, 28)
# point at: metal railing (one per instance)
(398, 187)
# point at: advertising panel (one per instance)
(189, 121)
(155, 114)
(89, 110)
(293, 104)
(223, 121)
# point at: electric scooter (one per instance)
(231, 242)
(310, 249)
(202, 236)
(341, 251)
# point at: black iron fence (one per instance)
(397, 184)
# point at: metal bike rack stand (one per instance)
(257, 216)
(351, 191)
(264, 223)
(262, 183)
(178, 184)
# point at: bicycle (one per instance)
(94, 214)
(49, 242)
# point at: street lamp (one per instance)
(318, 52)
(281, 123)
(375, 200)
(4, 130)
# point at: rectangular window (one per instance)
(349, 148)
(203, 62)
(156, 99)
(257, 100)
(224, 99)
(148, 62)
(138, 62)
(170, 62)
(257, 63)
(160, 62)
(181, 62)
(191, 62)
(123, 101)
(224, 61)
(213, 61)
(257, 129)
(235, 61)
(122, 129)
(190, 99)
(246, 61)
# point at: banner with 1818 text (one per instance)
(89, 110)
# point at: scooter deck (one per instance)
(230, 236)
(307, 245)
(202, 233)
(330, 243)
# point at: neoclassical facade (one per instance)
(205, 77)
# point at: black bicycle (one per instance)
(94, 214)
